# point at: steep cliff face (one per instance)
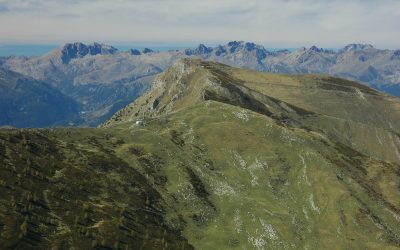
(78, 50)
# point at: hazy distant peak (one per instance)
(78, 50)
(356, 47)
(320, 50)
(316, 49)
(147, 50)
(235, 43)
(396, 55)
(231, 47)
(204, 49)
(134, 52)
(219, 50)
(242, 44)
(200, 50)
(259, 50)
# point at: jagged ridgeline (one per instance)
(101, 79)
(212, 157)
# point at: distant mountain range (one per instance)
(102, 79)
(26, 102)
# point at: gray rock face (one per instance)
(102, 79)
(78, 50)
(356, 47)
(134, 52)
(147, 50)
(201, 50)
(219, 50)
(396, 55)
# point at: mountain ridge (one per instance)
(222, 158)
(26, 102)
(78, 50)
(277, 99)
(106, 81)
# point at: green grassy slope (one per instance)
(225, 160)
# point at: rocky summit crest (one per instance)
(78, 50)
(356, 47)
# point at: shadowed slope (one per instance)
(26, 102)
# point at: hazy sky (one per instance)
(274, 23)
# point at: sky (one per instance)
(273, 23)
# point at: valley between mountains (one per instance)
(212, 157)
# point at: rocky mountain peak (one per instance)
(134, 52)
(316, 49)
(78, 50)
(200, 50)
(396, 55)
(250, 46)
(259, 50)
(204, 49)
(356, 47)
(235, 45)
(147, 50)
(302, 49)
(219, 50)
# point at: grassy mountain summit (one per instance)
(224, 158)
(344, 110)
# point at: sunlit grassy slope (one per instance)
(227, 159)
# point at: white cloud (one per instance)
(279, 23)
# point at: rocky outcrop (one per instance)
(356, 47)
(134, 52)
(147, 50)
(200, 50)
(78, 50)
